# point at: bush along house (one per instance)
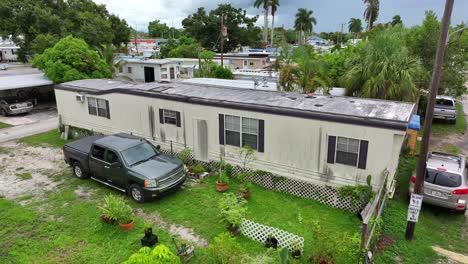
(323, 140)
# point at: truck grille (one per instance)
(177, 174)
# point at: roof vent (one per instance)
(318, 105)
(352, 101)
(310, 96)
(292, 98)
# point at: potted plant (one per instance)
(149, 239)
(197, 169)
(271, 241)
(232, 211)
(125, 215)
(296, 249)
(109, 209)
(222, 184)
(245, 186)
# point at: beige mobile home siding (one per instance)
(294, 147)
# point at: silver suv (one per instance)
(445, 109)
(445, 181)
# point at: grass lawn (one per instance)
(441, 128)
(4, 125)
(436, 226)
(51, 139)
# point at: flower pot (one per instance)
(106, 219)
(128, 226)
(221, 187)
(149, 239)
(244, 193)
(296, 254)
(271, 242)
(234, 230)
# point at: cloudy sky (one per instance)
(329, 13)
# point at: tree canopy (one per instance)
(372, 12)
(205, 28)
(43, 22)
(71, 59)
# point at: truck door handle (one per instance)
(106, 167)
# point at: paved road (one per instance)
(17, 132)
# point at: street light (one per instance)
(453, 33)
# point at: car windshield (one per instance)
(442, 178)
(139, 153)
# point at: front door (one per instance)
(172, 73)
(200, 149)
(149, 74)
(116, 176)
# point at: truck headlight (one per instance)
(185, 167)
(151, 183)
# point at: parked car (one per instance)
(14, 106)
(445, 181)
(445, 109)
(127, 163)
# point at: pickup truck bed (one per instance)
(84, 145)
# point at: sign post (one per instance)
(414, 207)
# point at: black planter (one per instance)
(234, 230)
(296, 254)
(271, 242)
(149, 239)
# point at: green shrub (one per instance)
(161, 254)
(361, 193)
(232, 209)
(224, 250)
(114, 207)
(197, 168)
(185, 155)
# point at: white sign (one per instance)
(414, 207)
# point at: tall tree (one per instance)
(396, 20)
(274, 6)
(304, 22)
(383, 68)
(372, 12)
(265, 4)
(204, 27)
(156, 29)
(355, 25)
(310, 72)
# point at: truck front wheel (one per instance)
(78, 171)
(136, 192)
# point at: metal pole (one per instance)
(430, 109)
(222, 39)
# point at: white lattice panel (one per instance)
(260, 233)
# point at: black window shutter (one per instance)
(331, 149)
(221, 129)
(161, 116)
(363, 154)
(178, 119)
(261, 135)
(108, 109)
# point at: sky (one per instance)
(330, 14)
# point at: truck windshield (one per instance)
(139, 153)
(442, 178)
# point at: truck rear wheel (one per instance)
(78, 171)
(136, 192)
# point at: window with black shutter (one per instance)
(347, 151)
(169, 117)
(242, 131)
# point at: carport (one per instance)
(26, 82)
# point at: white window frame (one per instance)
(96, 106)
(170, 117)
(358, 150)
(241, 131)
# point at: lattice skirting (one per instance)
(260, 233)
(324, 194)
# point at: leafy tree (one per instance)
(355, 25)
(121, 31)
(265, 4)
(396, 20)
(210, 69)
(156, 29)
(71, 59)
(43, 42)
(383, 68)
(204, 27)
(274, 6)
(304, 22)
(310, 72)
(287, 68)
(184, 47)
(372, 12)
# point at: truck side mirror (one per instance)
(116, 165)
(158, 147)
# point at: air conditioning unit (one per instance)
(80, 98)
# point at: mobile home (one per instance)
(324, 140)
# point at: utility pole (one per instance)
(223, 34)
(430, 109)
(341, 34)
(135, 38)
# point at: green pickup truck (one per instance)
(127, 163)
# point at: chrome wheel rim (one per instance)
(78, 172)
(136, 194)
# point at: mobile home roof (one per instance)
(362, 111)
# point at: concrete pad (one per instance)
(451, 255)
(29, 118)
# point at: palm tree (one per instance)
(396, 20)
(304, 22)
(286, 68)
(274, 6)
(383, 69)
(106, 52)
(265, 4)
(372, 12)
(310, 73)
(355, 26)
